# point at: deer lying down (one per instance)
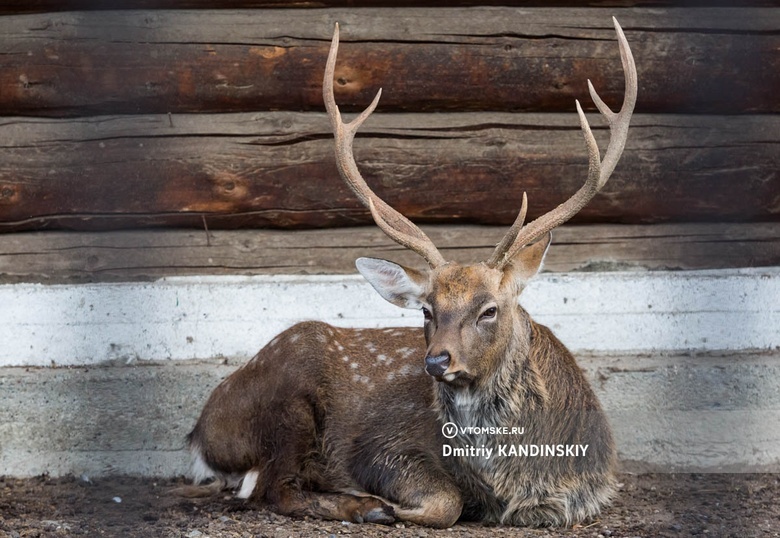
(347, 424)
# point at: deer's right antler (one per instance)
(598, 171)
(396, 226)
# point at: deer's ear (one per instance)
(527, 262)
(399, 285)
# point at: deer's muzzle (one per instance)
(438, 364)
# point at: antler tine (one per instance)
(618, 123)
(511, 235)
(598, 171)
(396, 226)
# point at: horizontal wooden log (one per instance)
(719, 61)
(33, 6)
(277, 170)
(59, 257)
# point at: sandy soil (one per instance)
(662, 505)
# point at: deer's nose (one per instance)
(436, 365)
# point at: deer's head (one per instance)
(471, 311)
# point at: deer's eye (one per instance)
(427, 314)
(488, 314)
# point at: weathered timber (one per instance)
(61, 257)
(32, 6)
(714, 60)
(277, 170)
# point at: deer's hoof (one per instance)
(379, 513)
(384, 515)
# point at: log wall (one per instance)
(721, 61)
(174, 117)
(149, 255)
(118, 171)
(32, 6)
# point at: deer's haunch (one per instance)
(483, 415)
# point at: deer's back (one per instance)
(358, 384)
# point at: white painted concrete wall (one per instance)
(633, 332)
(206, 317)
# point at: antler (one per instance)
(396, 226)
(598, 171)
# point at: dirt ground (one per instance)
(660, 505)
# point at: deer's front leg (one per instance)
(405, 469)
(427, 496)
(293, 478)
(290, 500)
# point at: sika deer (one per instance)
(348, 424)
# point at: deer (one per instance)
(351, 424)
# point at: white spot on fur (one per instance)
(381, 357)
(200, 469)
(354, 365)
(405, 369)
(248, 485)
(257, 359)
(345, 358)
(273, 342)
(357, 378)
(294, 338)
(390, 376)
(339, 346)
(322, 338)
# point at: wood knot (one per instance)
(92, 262)
(230, 186)
(8, 194)
(269, 53)
(349, 79)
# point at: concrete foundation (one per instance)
(687, 365)
(677, 413)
